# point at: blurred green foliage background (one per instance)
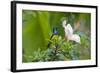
(37, 27)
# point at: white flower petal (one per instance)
(75, 38)
(69, 27)
(64, 23)
(69, 32)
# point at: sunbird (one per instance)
(55, 33)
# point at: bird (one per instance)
(55, 33)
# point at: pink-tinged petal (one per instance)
(75, 38)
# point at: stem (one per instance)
(56, 51)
